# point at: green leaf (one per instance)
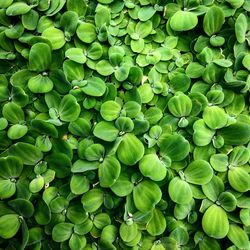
(213, 20)
(86, 32)
(215, 117)
(215, 222)
(157, 224)
(36, 184)
(79, 184)
(202, 135)
(152, 167)
(69, 109)
(29, 154)
(219, 162)
(183, 21)
(11, 167)
(9, 225)
(80, 127)
(146, 195)
(198, 172)
(59, 162)
(73, 71)
(30, 20)
(241, 28)
(62, 231)
(227, 201)
(40, 84)
(92, 200)
(106, 131)
(110, 110)
(7, 189)
(42, 213)
(104, 68)
(130, 150)
(23, 207)
(55, 36)
(213, 189)
(128, 232)
(179, 191)
(95, 87)
(77, 241)
(17, 8)
(40, 57)
(145, 13)
(238, 236)
(239, 179)
(81, 166)
(236, 134)
(123, 186)
(76, 55)
(17, 131)
(180, 105)
(174, 146)
(246, 62)
(102, 15)
(109, 171)
(13, 112)
(239, 156)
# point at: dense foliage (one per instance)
(124, 124)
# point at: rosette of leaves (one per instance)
(233, 164)
(118, 122)
(118, 64)
(198, 172)
(218, 202)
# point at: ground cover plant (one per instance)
(124, 124)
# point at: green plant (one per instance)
(124, 124)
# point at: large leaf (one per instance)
(40, 57)
(29, 154)
(86, 32)
(215, 222)
(130, 150)
(238, 236)
(95, 87)
(213, 20)
(69, 109)
(152, 167)
(109, 171)
(179, 191)
(106, 131)
(183, 21)
(146, 195)
(157, 224)
(198, 172)
(11, 167)
(13, 112)
(9, 225)
(62, 231)
(175, 146)
(236, 134)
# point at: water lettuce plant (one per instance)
(124, 124)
